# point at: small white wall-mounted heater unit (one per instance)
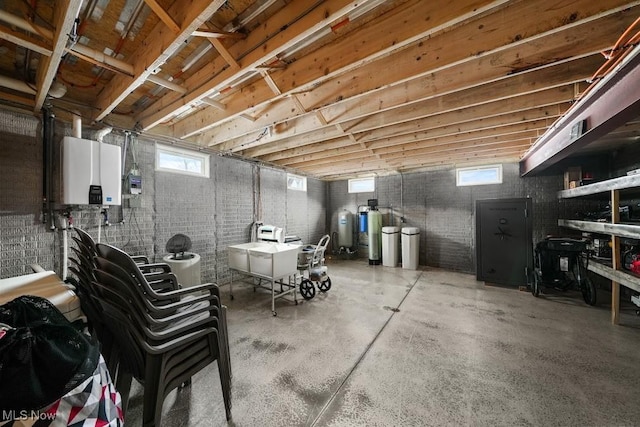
(90, 172)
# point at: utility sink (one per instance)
(264, 258)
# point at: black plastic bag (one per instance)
(42, 355)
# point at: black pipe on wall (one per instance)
(48, 128)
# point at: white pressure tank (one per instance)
(345, 229)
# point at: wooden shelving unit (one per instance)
(622, 230)
(614, 228)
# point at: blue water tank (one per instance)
(363, 222)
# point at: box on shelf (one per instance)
(572, 177)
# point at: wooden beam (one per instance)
(616, 261)
(473, 118)
(456, 143)
(448, 133)
(373, 41)
(267, 78)
(293, 141)
(163, 15)
(465, 64)
(279, 40)
(421, 164)
(425, 102)
(25, 41)
(326, 148)
(456, 116)
(213, 103)
(228, 57)
(65, 14)
(481, 69)
(18, 99)
(166, 83)
(348, 167)
(218, 35)
(155, 50)
(500, 156)
(364, 165)
(521, 141)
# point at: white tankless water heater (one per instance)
(90, 172)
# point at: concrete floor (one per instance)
(391, 347)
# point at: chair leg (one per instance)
(226, 389)
(225, 332)
(123, 386)
(153, 399)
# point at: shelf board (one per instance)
(601, 187)
(625, 279)
(621, 230)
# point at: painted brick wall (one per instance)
(316, 212)
(445, 213)
(214, 212)
(274, 199)
(21, 198)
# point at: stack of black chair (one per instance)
(156, 332)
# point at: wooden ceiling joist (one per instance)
(546, 98)
(279, 40)
(218, 35)
(163, 15)
(428, 145)
(463, 64)
(154, 52)
(66, 13)
(24, 40)
(373, 41)
(222, 50)
(545, 115)
(336, 88)
(534, 117)
(419, 97)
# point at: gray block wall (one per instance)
(214, 212)
(445, 213)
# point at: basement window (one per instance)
(479, 175)
(179, 160)
(295, 182)
(362, 185)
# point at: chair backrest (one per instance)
(123, 260)
(318, 254)
(86, 238)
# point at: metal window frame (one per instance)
(460, 171)
(187, 154)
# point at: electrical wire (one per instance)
(617, 53)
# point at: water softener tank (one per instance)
(375, 237)
(345, 229)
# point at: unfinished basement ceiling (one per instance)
(331, 89)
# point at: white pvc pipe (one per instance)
(65, 249)
(77, 126)
(101, 57)
(99, 227)
(18, 85)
